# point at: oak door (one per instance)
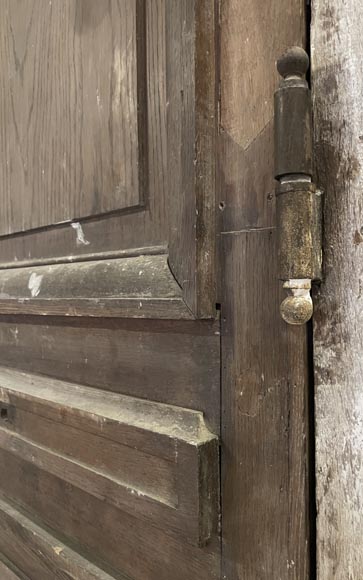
(109, 338)
(133, 363)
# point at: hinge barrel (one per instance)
(298, 203)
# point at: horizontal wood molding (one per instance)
(8, 572)
(140, 286)
(155, 461)
(37, 553)
(168, 361)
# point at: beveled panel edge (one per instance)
(141, 286)
(176, 435)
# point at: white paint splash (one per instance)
(81, 240)
(34, 283)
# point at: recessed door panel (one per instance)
(72, 110)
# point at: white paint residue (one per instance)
(34, 283)
(80, 234)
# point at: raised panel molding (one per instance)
(138, 287)
(155, 461)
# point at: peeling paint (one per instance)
(34, 284)
(81, 240)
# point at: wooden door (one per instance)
(154, 407)
(109, 339)
(267, 478)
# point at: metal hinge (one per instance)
(298, 201)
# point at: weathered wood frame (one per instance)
(265, 382)
(337, 85)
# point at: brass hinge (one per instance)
(298, 202)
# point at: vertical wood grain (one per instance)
(70, 111)
(337, 81)
(265, 362)
(192, 119)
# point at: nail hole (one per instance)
(4, 414)
(222, 205)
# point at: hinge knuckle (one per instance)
(298, 203)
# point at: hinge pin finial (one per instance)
(298, 203)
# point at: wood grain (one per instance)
(39, 554)
(253, 35)
(70, 492)
(151, 460)
(7, 571)
(140, 286)
(176, 150)
(192, 126)
(264, 430)
(264, 363)
(96, 529)
(70, 96)
(171, 362)
(337, 82)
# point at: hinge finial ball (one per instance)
(293, 62)
(297, 308)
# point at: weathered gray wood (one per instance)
(264, 362)
(337, 82)
(142, 286)
(38, 554)
(152, 460)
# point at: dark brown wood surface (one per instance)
(70, 109)
(62, 506)
(107, 260)
(170, 362)
(175, 130)
(39, 554)
(264, 362)
(138, 287)
(192, 140)
(148, 459)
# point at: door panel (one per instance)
(73, 110)
(165, 361)
(110, 343)
(148, 459)
(149, 161)
(38, 553)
